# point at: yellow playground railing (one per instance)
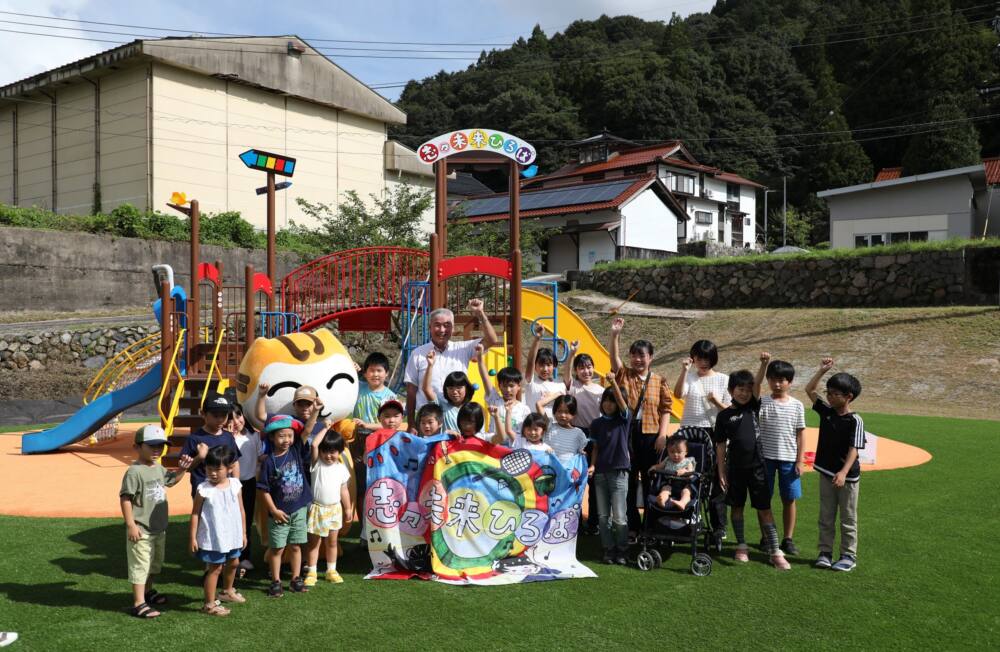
(172, 371)
(214, 369)
(123, 368)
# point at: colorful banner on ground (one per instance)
(470, 512)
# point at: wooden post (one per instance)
(439, 296)
(166, 341)
(271, 263)
(248, 305)
(217, 315)
(194, 297)
(435, 285)
(514, 327)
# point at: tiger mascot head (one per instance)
(289, 361)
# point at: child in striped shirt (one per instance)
(782, 425)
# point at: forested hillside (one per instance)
(823, 92)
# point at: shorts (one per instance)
(216, 557)
(145, 556)
(748, 480)
(789, 484)
(324, 518)
(293, 532)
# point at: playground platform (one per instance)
(90, 476)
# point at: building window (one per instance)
(635, 169)
(733, 192)
(747, 222)
(870, 239)
(679, 182)
(682, 230)
(593, 176)
(592, 154)
(702, 217)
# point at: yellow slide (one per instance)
(571, 327)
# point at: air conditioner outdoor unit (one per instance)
(706, 193)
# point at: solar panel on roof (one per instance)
(549, 198)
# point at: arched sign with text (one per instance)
(472, 140)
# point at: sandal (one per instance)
(275, 590)
(297, 585)
(144, 611)
(214, 609)
(155, 597)
(232, 596)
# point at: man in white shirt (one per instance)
(449, 356)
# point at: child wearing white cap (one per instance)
(143, 500)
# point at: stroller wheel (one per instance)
(645, 561)
(657, 558)
(701, 565)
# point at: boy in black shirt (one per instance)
(741, 466)
(841, 436)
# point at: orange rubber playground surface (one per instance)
(85, 479)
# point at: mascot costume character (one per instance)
(289, 361)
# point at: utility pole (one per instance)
(766, 191)
(784, 211)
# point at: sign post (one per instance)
(272, 164)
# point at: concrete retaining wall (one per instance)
(67, 271)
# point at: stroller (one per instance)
(667, 526)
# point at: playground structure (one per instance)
(207, 329)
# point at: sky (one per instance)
(329, 26)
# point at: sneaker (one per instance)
(846, 564)
(789, 548)
(609, 558)
(742, 553)
(823, 561)
(297, 585)
(310, 578)
(778, 561)
(275, 590)
(621, 560)
(333, 576)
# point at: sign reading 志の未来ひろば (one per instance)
(471, 140)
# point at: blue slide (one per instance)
(88, 419)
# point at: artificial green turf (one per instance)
(926, 578)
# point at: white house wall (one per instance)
(34, 153)
(648, 224)
(596, 246)
(395, 180)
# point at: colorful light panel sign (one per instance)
(268, 162)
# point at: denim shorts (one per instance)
(789, 484)
(216, 557)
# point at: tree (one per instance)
(952, 143)
(392, 219)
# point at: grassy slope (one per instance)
(926, 579)
(932, 361)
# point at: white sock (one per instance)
(331, 565)
(310, 569)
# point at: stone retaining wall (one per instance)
(90, 348)
(964, 276)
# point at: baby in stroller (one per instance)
(677, 467)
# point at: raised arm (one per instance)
(427, 382)
(546, 400)
(758, 380)
(613, 384)
(501, 430)
(490, 338)
(574, 346)
(680, 387)
(617, 324)
(260, 408)
(825, 365)
(529, 361)
(484, 372)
